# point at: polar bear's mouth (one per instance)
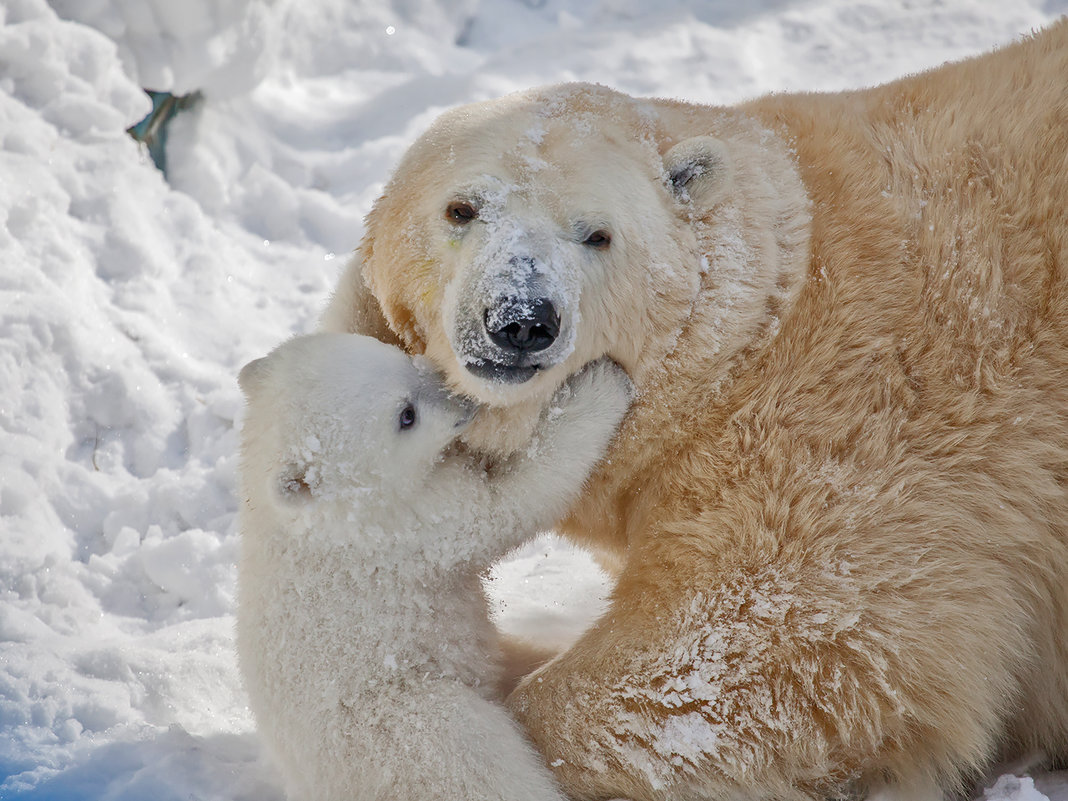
(502, 373)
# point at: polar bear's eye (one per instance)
(407, 417)
(598, 239)
(460, 212)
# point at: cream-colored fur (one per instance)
(362, 631)
(840, 498)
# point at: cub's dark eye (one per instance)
(598, 239)
(460, 212)
(407, 417)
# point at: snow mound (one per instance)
(1013, 788)
(220, 47)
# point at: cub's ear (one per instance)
(699, 170)
(252, 376)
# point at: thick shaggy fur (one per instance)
(839, 502)
(363, 634)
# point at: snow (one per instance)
(128, 304)
(220, 47)
(1014, 788)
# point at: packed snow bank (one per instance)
(127, 306)
(220, 47)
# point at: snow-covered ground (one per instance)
(128, 303)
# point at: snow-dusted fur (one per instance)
(839, 503)
(363, 633)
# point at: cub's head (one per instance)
(524, 237)
(333, 415)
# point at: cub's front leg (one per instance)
(538, 484)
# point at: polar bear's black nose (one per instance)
(524, 326)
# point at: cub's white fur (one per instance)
(363, 633)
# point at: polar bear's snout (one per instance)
(519, 332)
(522, 325)
(521, 318)
(512, 320)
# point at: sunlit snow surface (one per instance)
(127, 306)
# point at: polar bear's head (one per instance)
(330, 415)
(523, 237)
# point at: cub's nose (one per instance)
(522, 326)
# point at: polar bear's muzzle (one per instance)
(512, 320)
(518, 333)
(519, 329)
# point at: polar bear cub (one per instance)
(362, 631)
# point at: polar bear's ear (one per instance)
(699, 170)
(252, 376)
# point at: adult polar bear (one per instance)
(839, 502)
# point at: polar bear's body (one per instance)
(839, 504)
(363, 633)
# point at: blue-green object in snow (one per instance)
(152, 130)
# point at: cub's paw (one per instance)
(601, 388)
